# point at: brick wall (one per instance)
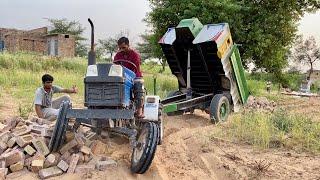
(37, 40)
(66, 44)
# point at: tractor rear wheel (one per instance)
(58, 135)
(160, 124)
(219, 108)
(144, 152)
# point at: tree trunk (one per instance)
(310, 71)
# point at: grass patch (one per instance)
(21, 75)
(279, 129)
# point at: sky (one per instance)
(109, 17)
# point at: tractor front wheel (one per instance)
(219, 108)
(144, 152)
(59, 132)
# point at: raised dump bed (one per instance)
(208, 67)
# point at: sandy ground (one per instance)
(190, 152)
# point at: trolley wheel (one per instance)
(219, 108)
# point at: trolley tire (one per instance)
(219, 108)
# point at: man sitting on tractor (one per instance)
(131, 60)
(44, 106)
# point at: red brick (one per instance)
(19, 131)
(13, 157)
(17, 166)
(12, 122)
(46, 132)
(28, 161)
(81, 158)
(63, 165)
(102, 165)
(41, 146)
(12, 142)
(85, 150)
(85, 168)
(21, 123)
(50, 172)
(37, 165)
(5, 136)
(25, 140)
(29, 150)
(73, 163)
(37, 128)
(3, 147)
(68, 146)
(51, 160)
(66, 156)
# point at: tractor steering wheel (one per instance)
(121, 61)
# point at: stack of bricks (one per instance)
(24, 145)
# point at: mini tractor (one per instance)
(112, 94)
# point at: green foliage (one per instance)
(149, 49)
(306, 52)
(25, 110)
(273, 130)
(74, 28)
(108, 46)
(265, 29)
(21, 75)
(290, 80)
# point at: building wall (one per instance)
(37, 40)
(66, 45)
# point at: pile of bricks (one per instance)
(260, 103)
(24, 145)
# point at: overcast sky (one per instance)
(109, 17)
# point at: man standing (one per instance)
(131, 60)
(44, 106)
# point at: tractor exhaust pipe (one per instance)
(92, 53)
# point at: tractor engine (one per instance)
(108, 85)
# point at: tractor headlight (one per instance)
(116, 70)
(92, 70)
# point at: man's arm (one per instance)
(72, 90)
(137, 62)
(39, 111)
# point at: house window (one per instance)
(66, 36)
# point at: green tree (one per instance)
(70, 27)
(109, 46)
(148, 49)
(266, 29)
(306, 52)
